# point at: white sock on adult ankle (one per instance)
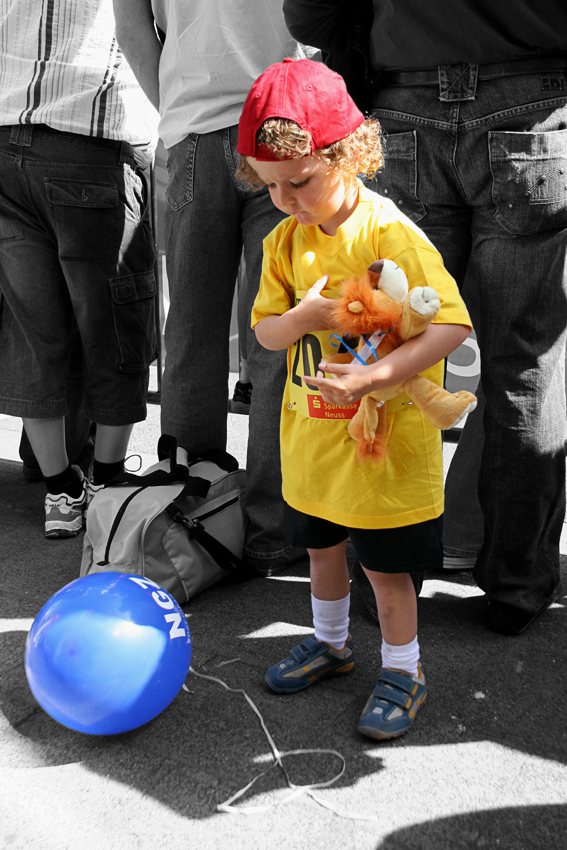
(403, 657)
(330, 619)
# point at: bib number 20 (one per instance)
(311, 355)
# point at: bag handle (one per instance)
(179, 465)
(194, 485)
(222, 556)
(168, 449)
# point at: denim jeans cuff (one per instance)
(459, 553)
(267, 556)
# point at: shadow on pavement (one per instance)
(506, 693)
(529, 828)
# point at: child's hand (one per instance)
(314, 309)
(413, 357)
(313, 313)
(349, 386)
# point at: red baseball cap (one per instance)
(303, 91)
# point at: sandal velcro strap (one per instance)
(389, 694)
(394, 688)
(301, 653)
(403, 681)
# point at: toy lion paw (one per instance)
(463, 397)
(424, 300)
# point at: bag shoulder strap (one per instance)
(225, 559)
(193, 487)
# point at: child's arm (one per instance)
(414, 356)
(313, 313)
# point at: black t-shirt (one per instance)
(426, 33)
(418, 34)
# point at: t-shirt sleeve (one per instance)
(275, 295)
(423, 266)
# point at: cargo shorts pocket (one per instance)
(85, 217)
(133, 313)
(398, 179)
(529, 180)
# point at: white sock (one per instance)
(401, 657)
(331, 620)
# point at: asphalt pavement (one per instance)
(484, 766)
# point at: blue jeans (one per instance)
(76, 252)
(483, 170)
(210, 217)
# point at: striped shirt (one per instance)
(60, 65)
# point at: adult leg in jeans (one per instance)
(516, 233)
(203, 246)
(240, 401)
(522, 474)
(519, 249)
(265, 550)
(209, 217)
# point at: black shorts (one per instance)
(76, 251)
(411, 548)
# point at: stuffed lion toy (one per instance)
(379, 309)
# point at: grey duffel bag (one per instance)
(181, 524)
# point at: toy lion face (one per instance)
(364, 308)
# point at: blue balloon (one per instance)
(107, 653)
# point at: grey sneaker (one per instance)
(92, 490)
(64, 514)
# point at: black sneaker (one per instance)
(241, 398)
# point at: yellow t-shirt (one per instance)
(321, 473)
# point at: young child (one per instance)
(302, 135)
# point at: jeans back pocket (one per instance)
(181, 172)
(529, 180)
(398, 180)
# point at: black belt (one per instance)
(430, 76)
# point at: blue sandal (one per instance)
(392, 707)
(307, 663)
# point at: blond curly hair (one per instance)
(359, 153)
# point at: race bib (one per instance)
(306, 354)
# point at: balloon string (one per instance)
(296, 790)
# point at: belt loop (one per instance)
(22, 135)
(457, 82)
